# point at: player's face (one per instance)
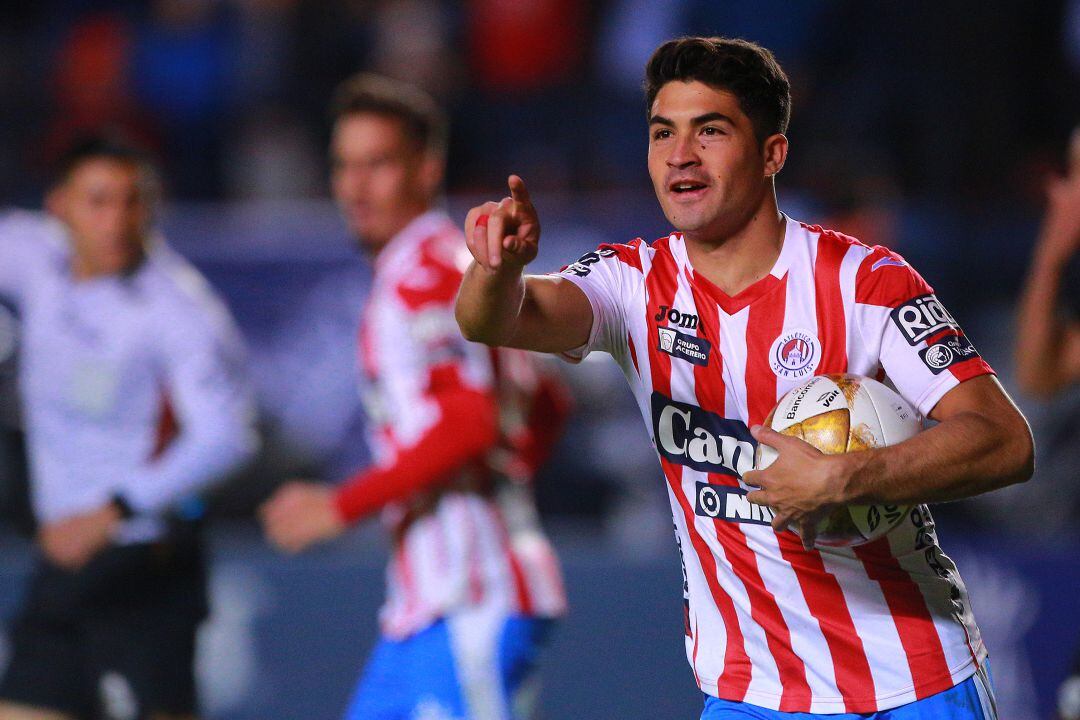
(381, 178)
(106, 206)
(707, 167)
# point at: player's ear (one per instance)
(774, 152)
(56, 201)
(432, 172)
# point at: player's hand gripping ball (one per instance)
(842, 414)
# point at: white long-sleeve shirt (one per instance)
(104, 360)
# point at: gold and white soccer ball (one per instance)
(841, 414)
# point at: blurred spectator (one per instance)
(134, 400)
(185, 58)
(91, 83)
(527, 62)
(1048, 351)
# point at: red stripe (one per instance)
(476, 586)
(831, 326)
(521, 586)
(408, 584)
(709, 379)
(914, 625)
(829, 607)
(734, 681)
(763, 325)
(890, 284)
(633, 352)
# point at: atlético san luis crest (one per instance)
(795, 354)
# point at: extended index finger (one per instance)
(518, 191)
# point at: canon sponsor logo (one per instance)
(687, 435)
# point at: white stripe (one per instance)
(733, 350)
(800, 299)
(474, 640)
(858, 355)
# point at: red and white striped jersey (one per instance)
(472, 536)
(826, 631)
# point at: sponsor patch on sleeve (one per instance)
(947, 352)
(922, 317)
(583, 265)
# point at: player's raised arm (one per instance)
(497, 304)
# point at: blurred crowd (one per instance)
(963, 100)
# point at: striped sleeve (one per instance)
(605, 275)
(918, 343)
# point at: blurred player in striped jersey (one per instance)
(457, 431)
(711, 325)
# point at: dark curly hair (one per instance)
(745, 69)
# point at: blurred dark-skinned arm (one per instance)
(1047, 345)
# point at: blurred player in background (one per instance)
(457, 431)
(132, 384)
(1048, 358)
(1048, 349)
(754, 303)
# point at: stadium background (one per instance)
(927, 127)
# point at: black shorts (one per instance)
(113, 640)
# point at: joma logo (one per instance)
(684, 320)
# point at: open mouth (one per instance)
(687, 188)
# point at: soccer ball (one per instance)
(840, 414)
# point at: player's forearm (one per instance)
(1038, 351)
(488, 305)
(466, 430)
(968, 454)
(188, 466)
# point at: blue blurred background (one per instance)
(928, 127)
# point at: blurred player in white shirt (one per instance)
(457, 431)
(132, 381)
(753, 304)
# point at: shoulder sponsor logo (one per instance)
(583, 265)
(687, 435)
(947, 352)
(921, 317)
(691, 348)
(795, 354)
(887, 262)
(722, 502)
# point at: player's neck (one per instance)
(734, 260)
(373, 246)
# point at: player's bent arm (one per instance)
(440, 451)
(981, 443)
(533, 312)
(208, 388)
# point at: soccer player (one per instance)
(457, 430)
(755, 303)
(132, 382)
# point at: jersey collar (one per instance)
(732, 304)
